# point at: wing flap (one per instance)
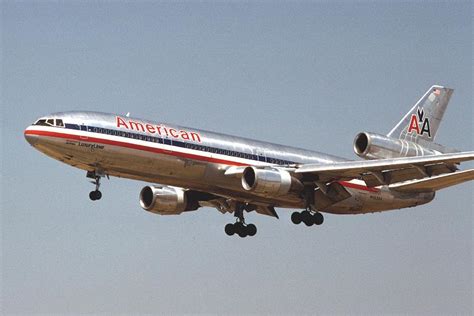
(401, 175)
(386, 171)
(435, 183)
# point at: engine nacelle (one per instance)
(165, 200)
(375, 146)
(269, 182)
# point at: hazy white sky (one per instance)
(309, 74)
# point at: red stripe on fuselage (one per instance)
(357, 186)
(133, 146)
(166, 152)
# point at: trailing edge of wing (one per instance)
(435, 183)
(355, 168)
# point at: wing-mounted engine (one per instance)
(269, 182)
(375, 146)
(165, 200)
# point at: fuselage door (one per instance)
(260, 155)
(83, 129)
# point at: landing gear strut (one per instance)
(308, 217)
(239, 227)
(96, 194)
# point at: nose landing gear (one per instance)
(308, 217)
(96, 194)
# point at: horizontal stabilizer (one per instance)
(435, 183)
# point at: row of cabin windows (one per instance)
(225, 152)
(193, 146)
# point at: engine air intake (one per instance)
(361, 143)
(165, 200)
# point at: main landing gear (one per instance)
(239, 227)
(308, 217)
(96, 194)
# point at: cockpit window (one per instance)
(41, 123)
(50, 122)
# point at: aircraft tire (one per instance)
(92, 196)
(242, 231)
(318, 218)
(296, 218)
(251, 229)
(307, 218)
(95, 195)
(229, 229)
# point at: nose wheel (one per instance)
(309, 218)
(96, 194)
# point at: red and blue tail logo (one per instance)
(419, 124)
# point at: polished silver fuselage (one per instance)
(193, 159)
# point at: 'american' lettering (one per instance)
(157, 129)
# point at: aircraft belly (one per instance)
(156, 168)
(383, 200)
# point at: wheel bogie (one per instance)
(308, 218)
(240, 229)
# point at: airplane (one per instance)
(191, 168)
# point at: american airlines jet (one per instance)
(191, 168)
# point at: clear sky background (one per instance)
(310, 74)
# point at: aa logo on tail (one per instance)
(418, 120)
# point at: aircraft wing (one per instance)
(385, 171)
(434, 183)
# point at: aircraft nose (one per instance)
(30, 138)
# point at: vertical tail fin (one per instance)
(421, 123)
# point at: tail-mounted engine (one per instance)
(375, 146)
(269, 182)
(166, 200)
